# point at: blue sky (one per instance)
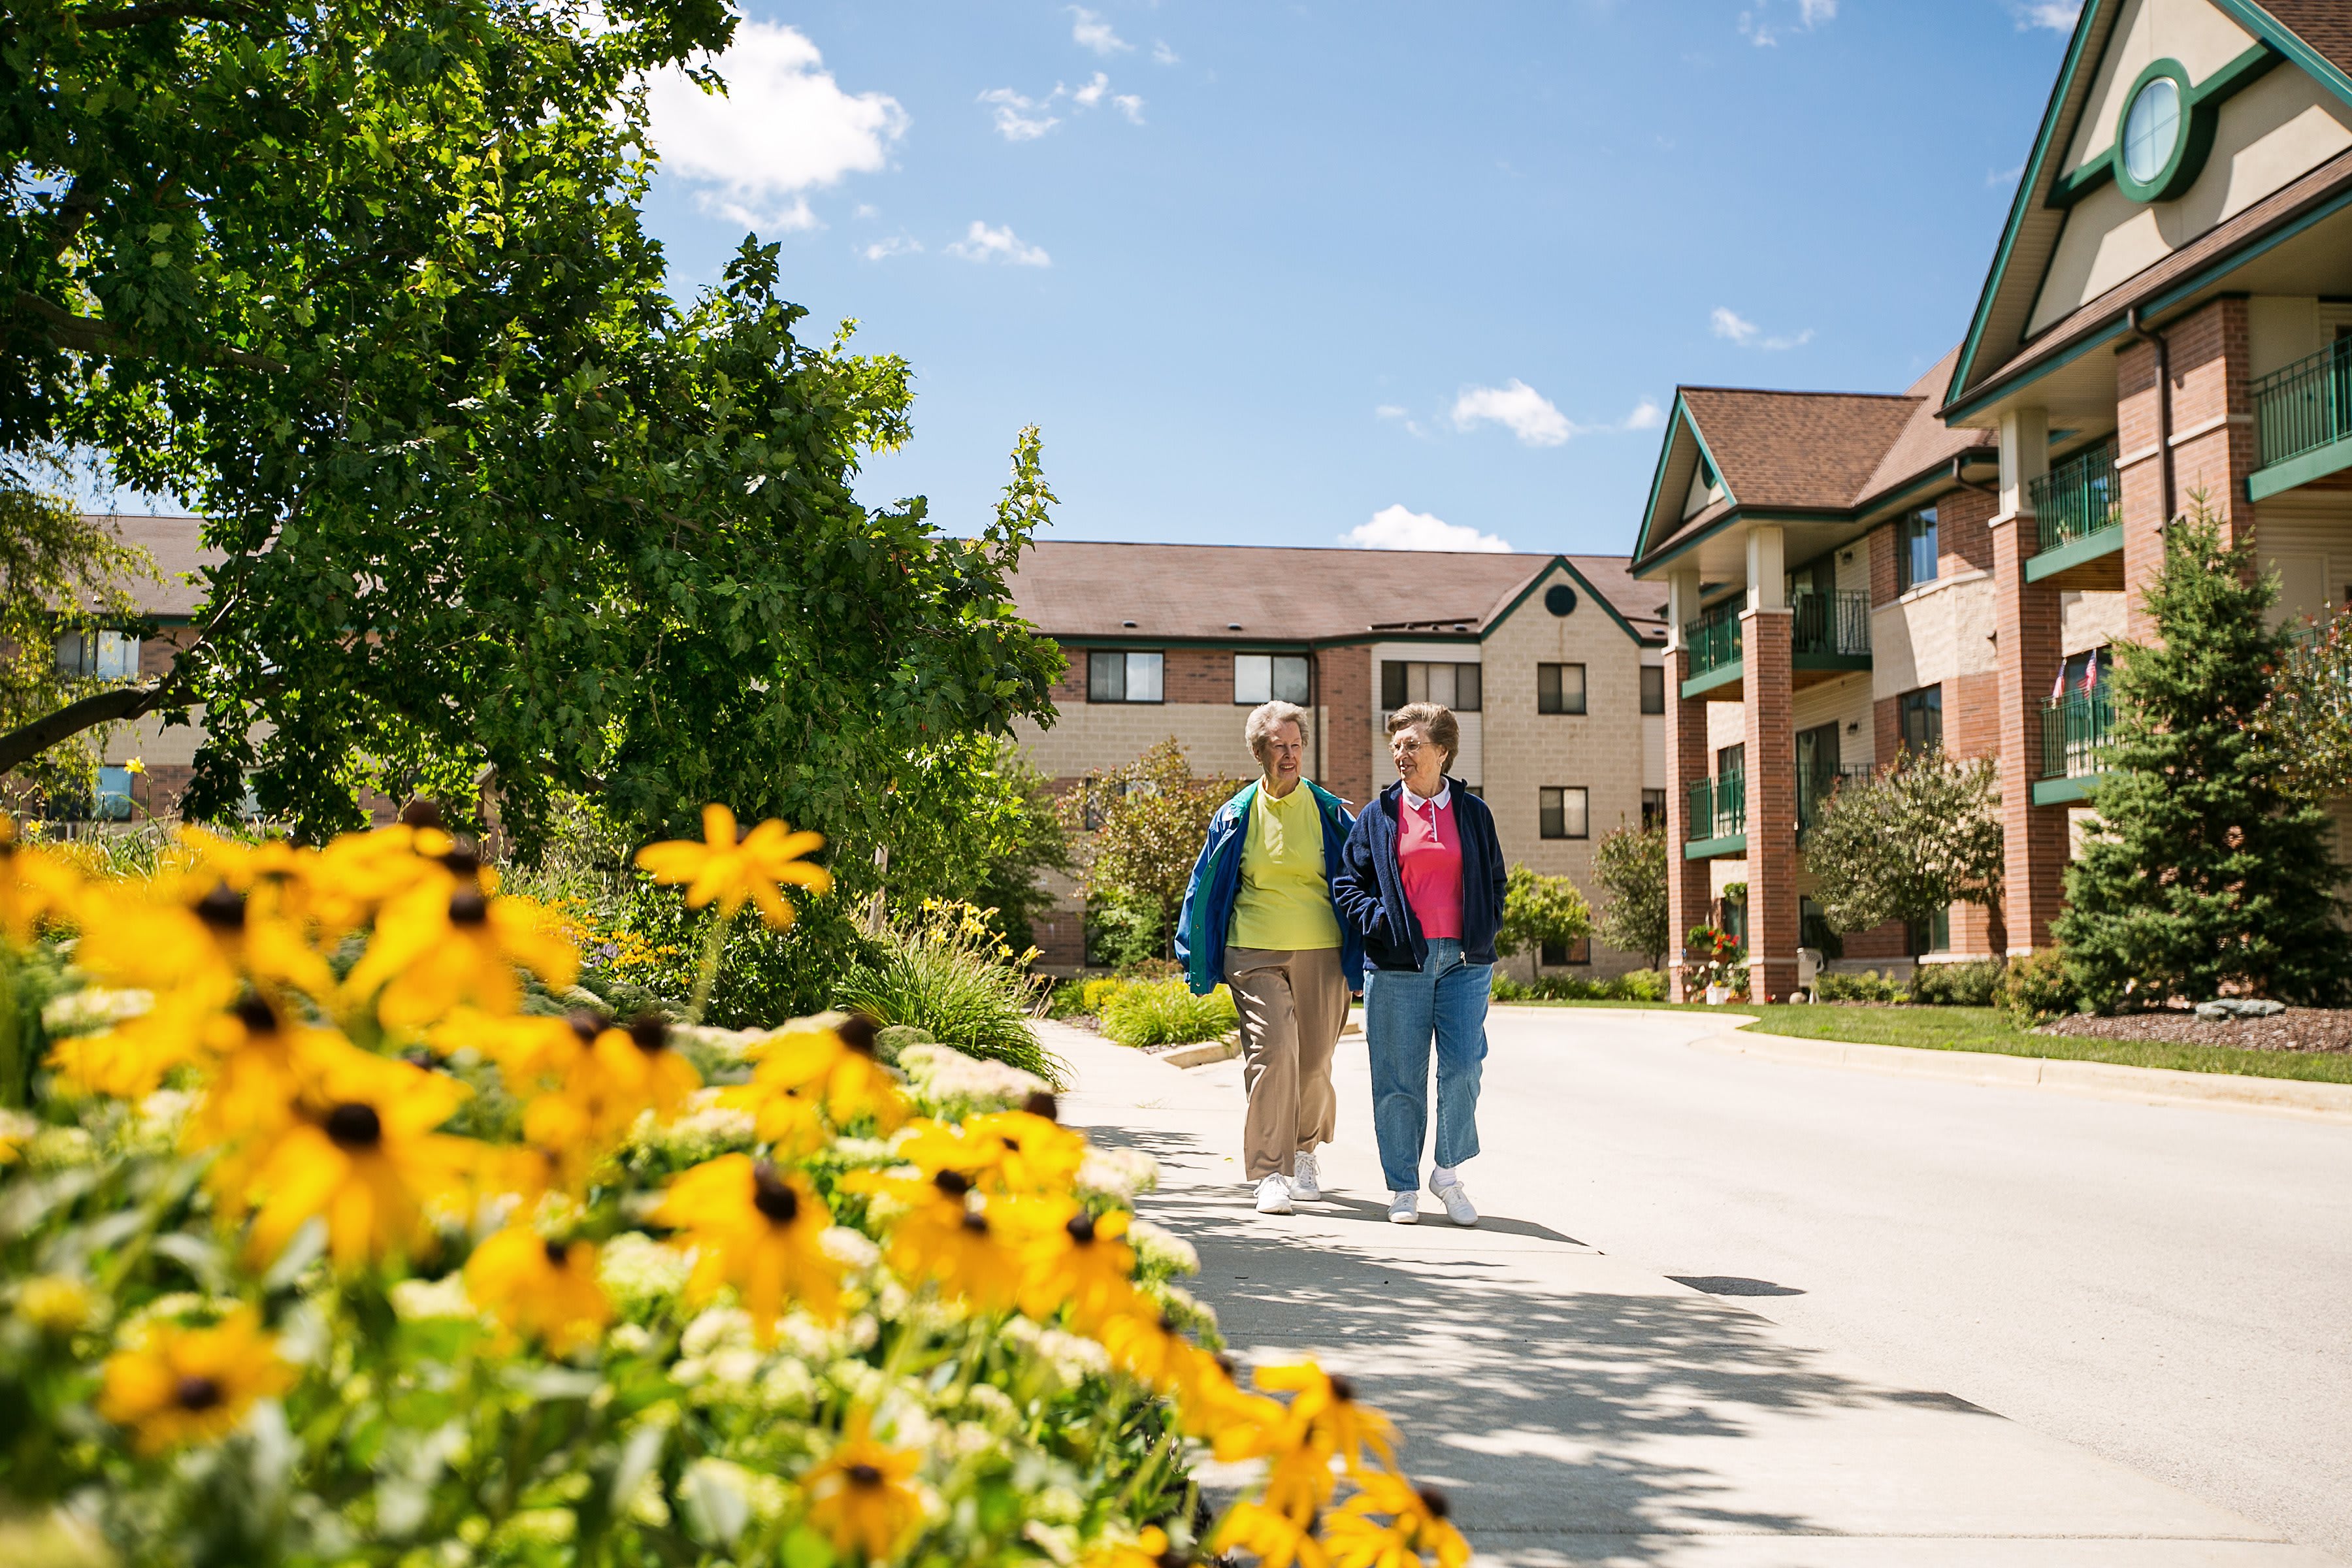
(1265, 272)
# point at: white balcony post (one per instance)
(2025, 458)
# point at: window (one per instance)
(1558, 954)
(2152, 130)
(1814, 930)
(1653, 809)
(1269, 677)
(1653, 689)
(1921, 714)
(114, 795)
(1453, 686)
(1565, 813)
(103, 656)
(1915, 550)
(1123, 677)
(1932, 935)
(1731, 761)
(1560, 688)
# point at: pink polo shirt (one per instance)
(1429, 853)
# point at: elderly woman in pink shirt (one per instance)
(1422, 878)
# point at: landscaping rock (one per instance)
(2285, 1029)
(2227, 1008)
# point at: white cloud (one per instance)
(786, 127)
(1998, 179)
(1020, 119)
(2055, 14)
(867, 209)
(897, 245)
(1092, 93)
(1728, 324)
(1401, 416)
(1163, 54)
(1394, 528)
(1646, 415)
(981, 243)
(1091, 31)
(1758, 28)
(1525, 412)
(1130, 106)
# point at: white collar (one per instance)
(1442, 799)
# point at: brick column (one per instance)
(1687, 890)
(2213, 438)
(1771, 733)
(2035, 837)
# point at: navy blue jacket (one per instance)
(1217, 883)
(1370, 887)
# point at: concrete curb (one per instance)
(2104, 1080)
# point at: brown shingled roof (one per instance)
(1926, 442)
(177, 544)
(2325, 25)
(1815, 449)
(1080, 588)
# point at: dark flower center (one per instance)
(465, 861)
(1171, 1558)
(354, 1126)
(864, 1476)
(421, 814)
(954, 1184)
(1042, 1104)
(195, 1393)
(1434, 1501)
(650, 1031)
(253, 1011)
(587, 1025)
(857, 1032)
(773, 1198)
(1081, 1228)
(469, 908)
(1167, 1323)
(223, 909)
(1012, 1145)
(976, 1222)
(557, 1252)
(1342, 1390)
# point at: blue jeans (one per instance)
(1403, 1012)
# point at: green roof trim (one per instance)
(1590, 593)
(2299, 470)
(1680, 419)
(2090, 547)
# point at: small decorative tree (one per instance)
(1924, 834)
(2210, 867)
(1540, 912)
(1631, 867)
(1140, 827)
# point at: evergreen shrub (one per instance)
(1973, 984)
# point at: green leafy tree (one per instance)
(1631, 867)
(1922, 835)
(1540, 912)
(1029, 843)
(1139, 828)
(369, 286)
(2210, 865)
(63, 580)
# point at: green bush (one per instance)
(2040, 985)
(1067, 1000)
(1641, 985)
(1096, 995)
(949, 973)
(1976, 983)
(1867, 986)
(1165, 1013)
(1636, 985)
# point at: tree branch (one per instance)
(89, 335)
(163, 11)
(22, 745)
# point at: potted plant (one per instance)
(1713, 953)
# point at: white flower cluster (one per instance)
(1118, 1173)
(956, 1084)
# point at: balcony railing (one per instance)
(1713, 640)
(1718, 807)
(1816, 785)
(2305, 406)
(1830, 623)
(2079, 498)
(2075, 730)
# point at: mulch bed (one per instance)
(2297, 1029)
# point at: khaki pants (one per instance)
(1293, 1005)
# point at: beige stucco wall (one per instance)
(1935, 633)
(1846, 703)
(2190, 31)
(2087, 621)
(1091, 735)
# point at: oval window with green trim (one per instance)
(2163, 134)
(2152, 130)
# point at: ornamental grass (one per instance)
(324, 1240)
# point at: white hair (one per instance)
(1262, 718)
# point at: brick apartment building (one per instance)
(1555, 664)
(2169, 313)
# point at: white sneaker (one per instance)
(1456, 1199)
(1306, 1181)
(1273, 1195)
(1404, 1208)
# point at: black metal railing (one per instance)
(2079, 498)
(1718, 807)
(2074, 733)
(2305, 406)
(1835, 623)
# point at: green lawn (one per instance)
(1986, 1029)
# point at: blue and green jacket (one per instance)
(1217, 882)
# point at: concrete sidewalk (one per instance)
(1579, 1410)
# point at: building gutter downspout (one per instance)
(2157, 340)
(1959, 462)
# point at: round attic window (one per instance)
(1560, 599)
(2163, 135)
(2152, 130)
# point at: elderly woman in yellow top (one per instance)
(1258, 916)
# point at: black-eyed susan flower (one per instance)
(1299, 1482)
(1325, 1410)
(1149, 1346)
(837, 1064)
(540, 1286)
(447, 942)
(262, 1062)
(786, 1114)
(35, 886)
(1274, 1538)
(1071, 1259)
(192, 932)
(360, 1153)
(731, 867)
(129, 1060)
(759, 1229)
(861, 1498)
(1149, 1549)
(939, 1238)
(1416, 1522)
(177, 1385)
(1026, 1153)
